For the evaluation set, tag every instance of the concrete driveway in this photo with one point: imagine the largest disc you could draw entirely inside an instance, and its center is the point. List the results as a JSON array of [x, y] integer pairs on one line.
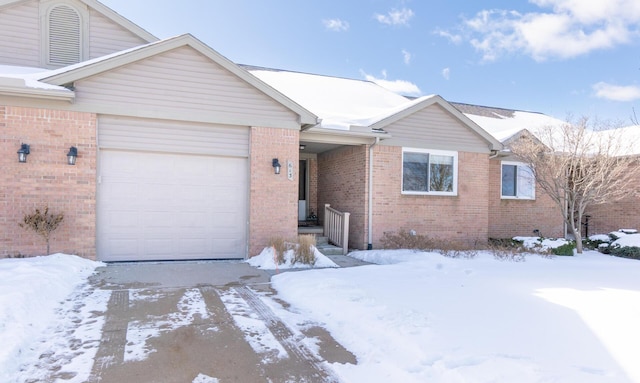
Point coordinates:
[[204, 322]]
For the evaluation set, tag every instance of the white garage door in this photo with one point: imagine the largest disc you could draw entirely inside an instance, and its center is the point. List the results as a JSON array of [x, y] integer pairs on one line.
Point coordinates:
[[170, 206]]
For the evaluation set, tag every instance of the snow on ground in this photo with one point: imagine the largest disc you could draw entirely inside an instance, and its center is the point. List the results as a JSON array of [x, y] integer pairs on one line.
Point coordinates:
[[32, 292], [267, 260], [423, 317]]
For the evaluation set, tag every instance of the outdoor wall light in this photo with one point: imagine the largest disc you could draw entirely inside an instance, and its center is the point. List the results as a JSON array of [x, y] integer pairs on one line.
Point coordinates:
[[23, 152], [72, 155], [303, 146], [276, 165]]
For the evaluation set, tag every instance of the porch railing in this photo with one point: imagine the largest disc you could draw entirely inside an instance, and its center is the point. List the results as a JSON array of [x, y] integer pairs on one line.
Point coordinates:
[[336, 227]]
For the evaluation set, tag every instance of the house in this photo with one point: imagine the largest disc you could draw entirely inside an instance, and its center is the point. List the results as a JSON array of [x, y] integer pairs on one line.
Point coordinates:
[[183, 154], [174, 142]]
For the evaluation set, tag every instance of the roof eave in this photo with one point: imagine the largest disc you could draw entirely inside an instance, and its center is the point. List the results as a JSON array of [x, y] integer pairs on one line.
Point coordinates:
[[48, 94]]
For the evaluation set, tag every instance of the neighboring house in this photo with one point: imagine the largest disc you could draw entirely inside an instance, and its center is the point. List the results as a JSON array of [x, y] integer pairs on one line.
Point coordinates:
[[625, 213], [175, 142], [516, 207]]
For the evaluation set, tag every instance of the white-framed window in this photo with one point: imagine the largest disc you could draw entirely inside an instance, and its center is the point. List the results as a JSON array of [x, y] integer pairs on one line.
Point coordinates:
[[64, 33], [432, 172], [518, 181]]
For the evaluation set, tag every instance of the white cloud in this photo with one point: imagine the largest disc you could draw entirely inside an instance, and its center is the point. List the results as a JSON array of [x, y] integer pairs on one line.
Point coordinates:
[[446, 73], [454, 38], [407, 56], [336, 25], [401, 87], [395, 17], [568, 28], [617, 92]]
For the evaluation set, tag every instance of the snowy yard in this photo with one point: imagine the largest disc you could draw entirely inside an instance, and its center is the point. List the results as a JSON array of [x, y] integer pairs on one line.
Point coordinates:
[[410, 317]]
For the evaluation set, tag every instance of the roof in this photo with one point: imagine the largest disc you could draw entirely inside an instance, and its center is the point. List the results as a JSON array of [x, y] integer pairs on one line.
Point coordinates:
[[504, 123], [340, 102], [107, 12], [351, 105], [60, 77], [24, 82]]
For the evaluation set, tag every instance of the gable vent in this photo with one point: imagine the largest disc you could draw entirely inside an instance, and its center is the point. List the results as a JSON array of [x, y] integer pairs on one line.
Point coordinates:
[[64, 36]]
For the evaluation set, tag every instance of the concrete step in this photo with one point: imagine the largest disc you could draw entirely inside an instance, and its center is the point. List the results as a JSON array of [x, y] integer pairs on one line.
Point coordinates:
[[320, 240], [328, 249]]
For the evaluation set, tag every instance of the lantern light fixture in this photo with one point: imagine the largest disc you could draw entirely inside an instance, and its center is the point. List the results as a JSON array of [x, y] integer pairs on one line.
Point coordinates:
[[276, 165], [72, 155], [23, 152]]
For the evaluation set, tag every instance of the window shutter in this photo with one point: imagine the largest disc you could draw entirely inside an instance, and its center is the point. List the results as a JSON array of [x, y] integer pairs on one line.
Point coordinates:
[[64, 36]]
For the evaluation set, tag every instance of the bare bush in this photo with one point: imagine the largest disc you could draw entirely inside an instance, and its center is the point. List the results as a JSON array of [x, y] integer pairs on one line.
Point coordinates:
[[507, 250], [454, 249], [407, 240], [42, 223]]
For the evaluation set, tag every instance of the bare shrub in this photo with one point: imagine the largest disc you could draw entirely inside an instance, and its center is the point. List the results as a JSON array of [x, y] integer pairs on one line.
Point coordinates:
[[455, 249], [507, 250], [42, 223], [407, 240], [304, 251]]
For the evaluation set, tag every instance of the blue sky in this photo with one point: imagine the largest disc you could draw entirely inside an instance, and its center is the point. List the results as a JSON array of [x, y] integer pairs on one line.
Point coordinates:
[[559, 57]]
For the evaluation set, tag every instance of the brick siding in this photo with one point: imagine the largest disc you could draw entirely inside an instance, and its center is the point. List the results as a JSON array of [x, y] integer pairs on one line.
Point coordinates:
[[46, 179], [511, 217], [461, 218], [273, 206], [342, 183]]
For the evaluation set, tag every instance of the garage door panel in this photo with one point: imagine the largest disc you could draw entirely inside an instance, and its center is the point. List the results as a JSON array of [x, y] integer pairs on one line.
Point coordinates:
[[164, 206]]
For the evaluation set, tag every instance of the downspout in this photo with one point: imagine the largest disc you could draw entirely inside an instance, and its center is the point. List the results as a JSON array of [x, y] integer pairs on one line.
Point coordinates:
[[370, 230]]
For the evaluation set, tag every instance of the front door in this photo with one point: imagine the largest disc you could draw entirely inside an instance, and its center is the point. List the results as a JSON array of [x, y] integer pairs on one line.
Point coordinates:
[[302, 191]]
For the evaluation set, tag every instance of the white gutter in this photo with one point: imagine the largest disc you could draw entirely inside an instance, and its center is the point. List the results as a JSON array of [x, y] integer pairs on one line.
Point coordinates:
[[370, 230]]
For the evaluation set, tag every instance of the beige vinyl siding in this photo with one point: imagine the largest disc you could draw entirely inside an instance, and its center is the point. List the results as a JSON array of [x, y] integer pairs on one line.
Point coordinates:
[[180, 84], [434, 128], [116, 132], [20, 35], [107, 37]]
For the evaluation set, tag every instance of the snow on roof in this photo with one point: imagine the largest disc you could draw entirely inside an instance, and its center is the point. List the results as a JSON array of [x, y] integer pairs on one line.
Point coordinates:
[[504, 123], [26, 78], [339, 102]]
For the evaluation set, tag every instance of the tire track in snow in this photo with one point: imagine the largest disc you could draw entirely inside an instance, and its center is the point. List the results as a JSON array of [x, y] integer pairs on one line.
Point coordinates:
[[298, 353]]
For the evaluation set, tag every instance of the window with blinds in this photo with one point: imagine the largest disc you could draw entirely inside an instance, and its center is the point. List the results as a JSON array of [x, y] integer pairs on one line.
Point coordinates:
[[65, 36]]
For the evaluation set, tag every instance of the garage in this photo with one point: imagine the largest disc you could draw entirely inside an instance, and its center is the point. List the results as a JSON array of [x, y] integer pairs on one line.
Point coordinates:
[[171, 190]]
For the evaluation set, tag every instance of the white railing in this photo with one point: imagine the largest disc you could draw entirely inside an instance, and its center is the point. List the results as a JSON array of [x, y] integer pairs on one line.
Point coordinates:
[[336, 227]]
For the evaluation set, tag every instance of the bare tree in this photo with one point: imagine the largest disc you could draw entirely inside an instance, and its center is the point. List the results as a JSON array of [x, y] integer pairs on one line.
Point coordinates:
[[578, 166]]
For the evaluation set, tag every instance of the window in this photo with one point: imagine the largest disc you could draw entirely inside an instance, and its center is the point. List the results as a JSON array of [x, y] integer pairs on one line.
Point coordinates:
[[517, 181], [429, 172]]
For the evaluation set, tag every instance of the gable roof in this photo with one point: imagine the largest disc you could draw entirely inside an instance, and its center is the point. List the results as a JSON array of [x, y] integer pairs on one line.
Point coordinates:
[[355, 105], [426, 101], [72, 73], [104, 10]]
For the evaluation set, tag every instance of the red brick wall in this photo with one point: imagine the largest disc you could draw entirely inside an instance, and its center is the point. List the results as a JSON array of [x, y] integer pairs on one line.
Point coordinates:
[[615, 215], [509, 217], [273, 205], [342, 183], [46, 179], [462, 218]]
